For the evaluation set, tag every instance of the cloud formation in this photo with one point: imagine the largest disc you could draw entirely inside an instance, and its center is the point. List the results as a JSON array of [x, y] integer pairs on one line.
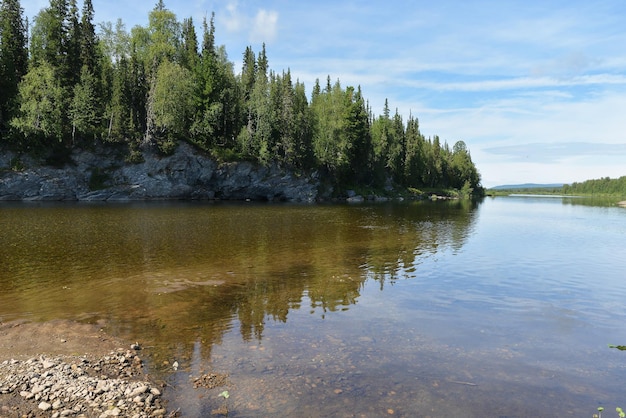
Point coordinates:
[[265, 26], [260, 28], [233, 21], [551, 153]]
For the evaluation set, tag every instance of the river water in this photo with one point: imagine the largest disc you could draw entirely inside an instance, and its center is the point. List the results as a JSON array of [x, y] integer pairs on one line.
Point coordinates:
[[503, 308]]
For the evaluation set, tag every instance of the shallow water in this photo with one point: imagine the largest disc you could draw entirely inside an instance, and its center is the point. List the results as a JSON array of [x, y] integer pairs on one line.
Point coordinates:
[[502, 308]]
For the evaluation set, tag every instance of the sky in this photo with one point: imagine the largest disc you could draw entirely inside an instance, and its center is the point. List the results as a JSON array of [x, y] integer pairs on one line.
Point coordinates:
[[536, 89]]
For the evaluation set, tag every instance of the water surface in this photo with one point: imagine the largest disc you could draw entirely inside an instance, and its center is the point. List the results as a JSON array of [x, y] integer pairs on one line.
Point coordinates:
[[499, 308]]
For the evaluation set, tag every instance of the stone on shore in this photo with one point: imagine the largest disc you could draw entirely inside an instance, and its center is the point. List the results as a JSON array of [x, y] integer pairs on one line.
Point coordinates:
[[66, 386]]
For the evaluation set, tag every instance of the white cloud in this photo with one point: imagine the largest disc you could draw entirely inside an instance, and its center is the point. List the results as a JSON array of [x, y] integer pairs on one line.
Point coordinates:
[[265, 26], [537, 138], [518, 83], [261, 28], [234, 20]]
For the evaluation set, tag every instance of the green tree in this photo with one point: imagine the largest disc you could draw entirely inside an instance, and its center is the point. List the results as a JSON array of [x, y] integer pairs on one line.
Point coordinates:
[[415, 157], [356, 137], [327, 110], [216, 120], [138, 89], [126, 112], [317, 90], [170, 106], [303, 129], [119, 110], [51, 43], [256, 139], [164, 33], [341, 134], [114, 41], [397, 148], [85, 110], [291, 123], [248, 73], [50, 38], [433, 174], [13, 59], [462, 168], [230, 100], [70, 74], [380, 133], [42, 106], [89, 52], [189, 52]]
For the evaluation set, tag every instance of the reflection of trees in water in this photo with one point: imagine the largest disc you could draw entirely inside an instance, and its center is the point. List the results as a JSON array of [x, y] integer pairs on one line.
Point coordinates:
[[316, 256], [177, 275], [406, 234], [599, 201]]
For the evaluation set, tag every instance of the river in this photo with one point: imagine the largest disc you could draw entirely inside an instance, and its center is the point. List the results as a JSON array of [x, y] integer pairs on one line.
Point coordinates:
[[500, 308]]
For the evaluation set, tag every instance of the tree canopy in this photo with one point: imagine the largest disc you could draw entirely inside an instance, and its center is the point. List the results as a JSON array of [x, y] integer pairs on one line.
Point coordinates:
[[157, 85], [602, 186]]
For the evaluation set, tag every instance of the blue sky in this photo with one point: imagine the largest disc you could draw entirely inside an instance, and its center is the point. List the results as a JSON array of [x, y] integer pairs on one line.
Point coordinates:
[[536, 89]]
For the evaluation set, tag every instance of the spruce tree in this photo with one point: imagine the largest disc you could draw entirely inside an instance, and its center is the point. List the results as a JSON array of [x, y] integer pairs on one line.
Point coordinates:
[[303, 128], [208, 40], [357, 133], [415, 158], [120, 105], [13, 60], [73, 46], [248, 73], [85, 110], [397, 148], [51, 43], [88, 40], [189, 51]]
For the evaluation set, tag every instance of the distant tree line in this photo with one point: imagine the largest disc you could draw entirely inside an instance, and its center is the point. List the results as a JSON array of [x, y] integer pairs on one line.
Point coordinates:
[[603, 185], [65, 85]]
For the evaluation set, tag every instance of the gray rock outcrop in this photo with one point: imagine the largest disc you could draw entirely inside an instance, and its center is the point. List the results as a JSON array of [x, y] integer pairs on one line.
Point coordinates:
[[187, 174]]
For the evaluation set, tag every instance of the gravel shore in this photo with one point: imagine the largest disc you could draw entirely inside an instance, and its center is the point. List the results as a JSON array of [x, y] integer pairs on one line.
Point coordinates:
[[78, 386]]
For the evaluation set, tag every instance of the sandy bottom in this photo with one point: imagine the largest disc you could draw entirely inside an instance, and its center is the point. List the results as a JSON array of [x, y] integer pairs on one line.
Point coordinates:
[[21, 340]]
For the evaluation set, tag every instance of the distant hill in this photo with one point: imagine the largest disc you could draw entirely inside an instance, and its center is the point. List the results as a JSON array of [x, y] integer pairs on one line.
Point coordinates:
[[528, 186]]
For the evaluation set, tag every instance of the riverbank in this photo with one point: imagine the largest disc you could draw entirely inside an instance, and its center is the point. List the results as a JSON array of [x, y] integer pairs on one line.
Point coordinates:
[[103, 174], [69, 369]]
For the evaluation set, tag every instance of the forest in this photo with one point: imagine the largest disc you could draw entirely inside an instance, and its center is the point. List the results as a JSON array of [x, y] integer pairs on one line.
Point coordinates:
[[66, 83], [601, 186]]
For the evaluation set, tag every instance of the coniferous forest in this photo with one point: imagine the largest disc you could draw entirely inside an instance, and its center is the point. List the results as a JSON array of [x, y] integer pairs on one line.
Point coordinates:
[[66, 83]]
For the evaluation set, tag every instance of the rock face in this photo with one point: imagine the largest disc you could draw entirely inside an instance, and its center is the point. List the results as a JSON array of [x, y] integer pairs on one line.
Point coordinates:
[[100, 176]]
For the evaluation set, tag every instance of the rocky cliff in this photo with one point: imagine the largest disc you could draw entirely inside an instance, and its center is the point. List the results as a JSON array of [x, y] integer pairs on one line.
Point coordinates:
[[187, 174]]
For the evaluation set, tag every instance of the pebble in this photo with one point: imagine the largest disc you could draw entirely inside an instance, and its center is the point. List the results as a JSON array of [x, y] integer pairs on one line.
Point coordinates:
[[78, 387], [44, 406]]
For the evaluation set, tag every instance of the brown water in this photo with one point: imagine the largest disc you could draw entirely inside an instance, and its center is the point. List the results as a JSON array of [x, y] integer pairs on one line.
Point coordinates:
[[503, 308]]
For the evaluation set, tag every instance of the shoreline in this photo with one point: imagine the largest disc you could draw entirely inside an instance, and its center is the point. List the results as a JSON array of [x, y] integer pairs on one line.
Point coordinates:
[[63, 368]]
